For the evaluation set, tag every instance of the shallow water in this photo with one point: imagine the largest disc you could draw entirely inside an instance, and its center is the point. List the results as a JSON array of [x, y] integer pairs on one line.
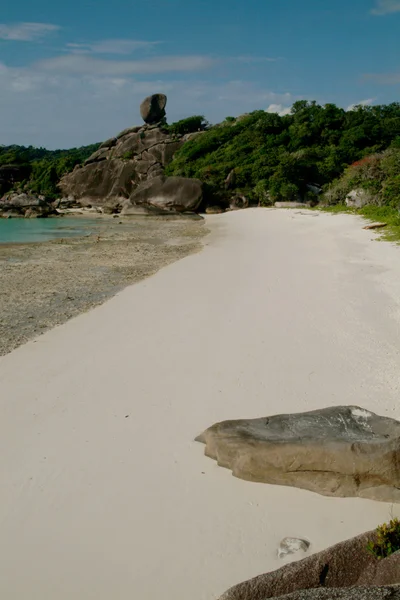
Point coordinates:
[[42, 230]]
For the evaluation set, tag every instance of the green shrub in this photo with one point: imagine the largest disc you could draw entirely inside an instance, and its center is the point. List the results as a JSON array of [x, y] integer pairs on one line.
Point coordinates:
[[189, 125], [261, 193], [387, 540]]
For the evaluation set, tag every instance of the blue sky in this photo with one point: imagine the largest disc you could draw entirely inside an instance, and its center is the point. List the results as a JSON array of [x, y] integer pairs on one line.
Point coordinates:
[[73, 73]]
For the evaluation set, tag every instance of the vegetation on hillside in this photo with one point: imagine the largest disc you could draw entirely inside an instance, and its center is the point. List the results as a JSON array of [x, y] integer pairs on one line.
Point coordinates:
[[278, 157], [43, 169], [273, 157], [378, 175]]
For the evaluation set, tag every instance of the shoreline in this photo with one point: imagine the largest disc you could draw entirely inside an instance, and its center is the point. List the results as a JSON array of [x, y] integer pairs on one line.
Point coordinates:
[[44, 284], [106, 494]]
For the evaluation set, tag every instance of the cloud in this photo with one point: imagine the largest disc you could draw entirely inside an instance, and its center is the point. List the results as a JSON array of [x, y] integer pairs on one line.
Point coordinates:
[[97, 106], [280, 109], [116, 46], [383, 78], [385, 7], [366, 102], [87, 65], [256, 59], [26, 32]]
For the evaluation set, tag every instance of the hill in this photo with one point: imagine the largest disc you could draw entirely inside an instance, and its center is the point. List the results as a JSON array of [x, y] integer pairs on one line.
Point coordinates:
[[289, 157], [262, 156]]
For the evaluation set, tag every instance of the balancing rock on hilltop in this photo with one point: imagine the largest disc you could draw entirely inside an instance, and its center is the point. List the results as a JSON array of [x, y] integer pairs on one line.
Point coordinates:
[[152, 108], [127, 172]]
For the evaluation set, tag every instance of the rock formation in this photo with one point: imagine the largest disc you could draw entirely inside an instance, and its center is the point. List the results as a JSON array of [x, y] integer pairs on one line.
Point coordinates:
[[25, 205], [343, 571], [177, 194], [359, 198], [339, 451], [152, 108], [131, 167]]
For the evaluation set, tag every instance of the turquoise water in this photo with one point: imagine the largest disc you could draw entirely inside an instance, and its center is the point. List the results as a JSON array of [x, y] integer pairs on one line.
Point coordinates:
[[42, 230]]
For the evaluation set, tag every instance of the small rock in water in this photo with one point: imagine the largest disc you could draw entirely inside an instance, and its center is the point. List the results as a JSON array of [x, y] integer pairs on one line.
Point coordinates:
[[291, 546]]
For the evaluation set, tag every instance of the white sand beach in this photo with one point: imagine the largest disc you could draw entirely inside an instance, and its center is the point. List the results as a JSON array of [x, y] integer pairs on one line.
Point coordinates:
[[104, 493]]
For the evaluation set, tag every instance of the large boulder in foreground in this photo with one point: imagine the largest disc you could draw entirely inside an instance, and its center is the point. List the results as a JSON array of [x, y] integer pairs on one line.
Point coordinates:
[[152, 108], [325, 575], [339, 451], [171, 194]]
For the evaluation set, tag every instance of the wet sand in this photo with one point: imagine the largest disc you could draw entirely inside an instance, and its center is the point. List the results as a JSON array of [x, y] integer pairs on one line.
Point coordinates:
[[43, 285]]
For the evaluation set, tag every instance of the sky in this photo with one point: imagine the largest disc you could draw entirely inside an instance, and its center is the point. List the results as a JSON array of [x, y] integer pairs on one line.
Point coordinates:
[[74, 72]]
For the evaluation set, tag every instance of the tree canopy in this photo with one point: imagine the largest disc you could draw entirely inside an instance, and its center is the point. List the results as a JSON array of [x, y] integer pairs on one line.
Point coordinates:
[[44, 168], [277, 157]]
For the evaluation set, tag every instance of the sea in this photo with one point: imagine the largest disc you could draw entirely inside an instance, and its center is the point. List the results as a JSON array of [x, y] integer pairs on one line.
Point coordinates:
[[21, 231]]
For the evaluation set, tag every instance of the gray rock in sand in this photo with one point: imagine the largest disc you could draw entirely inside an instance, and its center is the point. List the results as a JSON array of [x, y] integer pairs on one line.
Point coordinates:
[[291, 546], [340, 451]]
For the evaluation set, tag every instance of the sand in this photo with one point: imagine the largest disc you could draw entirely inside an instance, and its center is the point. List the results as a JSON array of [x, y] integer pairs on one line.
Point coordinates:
[[105, 494], [43, 285]]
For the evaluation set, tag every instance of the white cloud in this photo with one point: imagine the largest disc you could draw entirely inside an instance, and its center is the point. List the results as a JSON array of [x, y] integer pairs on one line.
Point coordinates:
[[26, 32], [366, 102], [256, 59], [62, 110], [280, 109], [117, 46], [88, 65], [385, 7]]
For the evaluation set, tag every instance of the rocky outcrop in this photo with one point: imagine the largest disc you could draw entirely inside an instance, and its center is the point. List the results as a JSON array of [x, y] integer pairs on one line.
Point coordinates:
[[358, 198], [127, 172], [124, 163], [25, 205], [230, 181], [105, 183], [339, 451], [171, 194], [152, 108], [346, 565]]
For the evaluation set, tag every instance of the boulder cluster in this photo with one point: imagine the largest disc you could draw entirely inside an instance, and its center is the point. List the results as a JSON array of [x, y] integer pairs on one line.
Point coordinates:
[[127, 173], [25, 205]]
